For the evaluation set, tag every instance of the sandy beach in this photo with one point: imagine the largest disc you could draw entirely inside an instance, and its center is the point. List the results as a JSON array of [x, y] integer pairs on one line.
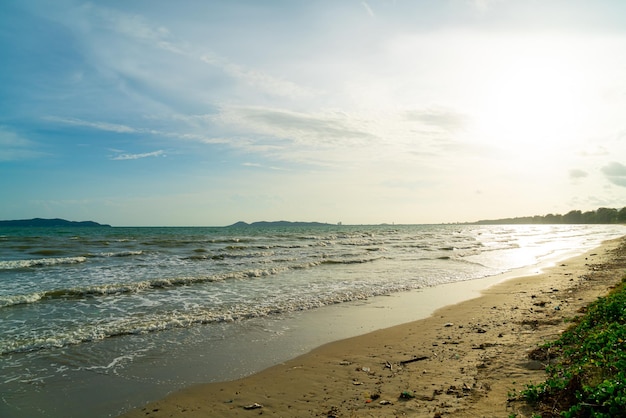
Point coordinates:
[[464, 360]]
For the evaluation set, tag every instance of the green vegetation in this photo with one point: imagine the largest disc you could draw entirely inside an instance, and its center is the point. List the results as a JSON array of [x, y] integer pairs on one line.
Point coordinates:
[[600, 216], [588, 378]]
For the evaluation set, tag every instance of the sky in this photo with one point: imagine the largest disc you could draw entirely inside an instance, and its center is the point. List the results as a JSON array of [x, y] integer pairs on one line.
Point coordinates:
[[204, 113]]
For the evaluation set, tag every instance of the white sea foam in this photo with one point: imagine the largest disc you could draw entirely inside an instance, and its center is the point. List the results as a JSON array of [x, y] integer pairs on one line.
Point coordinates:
[[119, 254], [19, 299], [40, 262]]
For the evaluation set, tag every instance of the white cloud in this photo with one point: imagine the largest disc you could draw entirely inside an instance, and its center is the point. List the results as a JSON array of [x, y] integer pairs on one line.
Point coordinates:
[[262, 166], [103, 126], [15, 147], [257, 79], [158, 153], [443, 119], [576, 174], [594, 150], [331, 137], [130, 25], [368, 9], [11, 139], [316, 129], [484, 5], [138, 28], [616, 173]]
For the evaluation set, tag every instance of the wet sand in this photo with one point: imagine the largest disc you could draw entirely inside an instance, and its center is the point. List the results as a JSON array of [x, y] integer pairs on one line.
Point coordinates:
[[464, 360]]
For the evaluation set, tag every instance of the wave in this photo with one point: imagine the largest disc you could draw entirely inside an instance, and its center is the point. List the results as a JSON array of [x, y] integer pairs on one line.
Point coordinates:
[[203, 256], [56, 261], [115, 289], [144, 324], [117, 254], [161, 321], [178, 242], [47, 252], [351, 260], [40, 262], [99, 291], [128, 288]]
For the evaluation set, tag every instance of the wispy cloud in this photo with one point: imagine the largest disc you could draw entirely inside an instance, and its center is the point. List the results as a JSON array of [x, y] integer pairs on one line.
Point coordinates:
[[615, 173], [134, 26], [368, 9], [257, 79], [103, 126], [444, 119], [577, 174], [159, 153], [139, 29], [314, 129], [331, 137], [193, 128], [594, 150], [483, 5], [14, 147], [262, 166]]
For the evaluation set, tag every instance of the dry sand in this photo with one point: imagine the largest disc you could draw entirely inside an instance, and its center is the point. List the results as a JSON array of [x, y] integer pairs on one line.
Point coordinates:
[[463, 361]]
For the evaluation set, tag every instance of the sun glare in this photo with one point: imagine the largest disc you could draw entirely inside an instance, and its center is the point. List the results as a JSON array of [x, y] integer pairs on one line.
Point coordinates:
[[532, 97]]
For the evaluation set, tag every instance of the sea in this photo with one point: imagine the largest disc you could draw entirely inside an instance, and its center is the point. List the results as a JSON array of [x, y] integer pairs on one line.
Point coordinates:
[[95, 321]]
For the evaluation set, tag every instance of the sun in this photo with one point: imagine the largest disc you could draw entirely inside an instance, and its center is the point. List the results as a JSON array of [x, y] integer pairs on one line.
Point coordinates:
[[531, 96]]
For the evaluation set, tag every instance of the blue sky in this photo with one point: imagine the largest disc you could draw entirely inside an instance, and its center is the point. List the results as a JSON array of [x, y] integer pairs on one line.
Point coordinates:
[[209, 112]]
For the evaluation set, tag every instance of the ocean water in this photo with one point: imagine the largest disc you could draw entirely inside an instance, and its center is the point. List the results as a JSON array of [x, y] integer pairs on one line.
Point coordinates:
[[94, 321]]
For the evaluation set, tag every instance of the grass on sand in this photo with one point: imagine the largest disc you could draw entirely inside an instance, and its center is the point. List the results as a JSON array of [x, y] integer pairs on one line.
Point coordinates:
[[587, 371]]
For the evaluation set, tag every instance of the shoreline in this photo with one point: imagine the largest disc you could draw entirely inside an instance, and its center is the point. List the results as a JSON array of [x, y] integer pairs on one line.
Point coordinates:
[[463, 359]]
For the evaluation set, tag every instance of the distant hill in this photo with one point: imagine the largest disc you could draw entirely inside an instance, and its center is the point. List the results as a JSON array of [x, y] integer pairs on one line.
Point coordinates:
[[50, 223], [599, 216], [262, 224]]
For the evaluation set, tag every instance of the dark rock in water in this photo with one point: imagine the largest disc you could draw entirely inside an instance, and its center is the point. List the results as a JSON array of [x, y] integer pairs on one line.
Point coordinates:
[[50, 223]]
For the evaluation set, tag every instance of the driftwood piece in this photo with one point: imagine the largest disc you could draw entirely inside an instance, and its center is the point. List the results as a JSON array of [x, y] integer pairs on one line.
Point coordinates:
[[403, 362]]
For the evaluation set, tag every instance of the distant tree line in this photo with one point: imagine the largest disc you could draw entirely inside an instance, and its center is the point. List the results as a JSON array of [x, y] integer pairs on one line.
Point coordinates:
[[599, 216]]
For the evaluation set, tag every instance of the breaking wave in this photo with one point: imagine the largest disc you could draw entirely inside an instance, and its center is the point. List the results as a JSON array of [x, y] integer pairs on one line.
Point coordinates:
[[40, 262], [141, 324], [162, 283]]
